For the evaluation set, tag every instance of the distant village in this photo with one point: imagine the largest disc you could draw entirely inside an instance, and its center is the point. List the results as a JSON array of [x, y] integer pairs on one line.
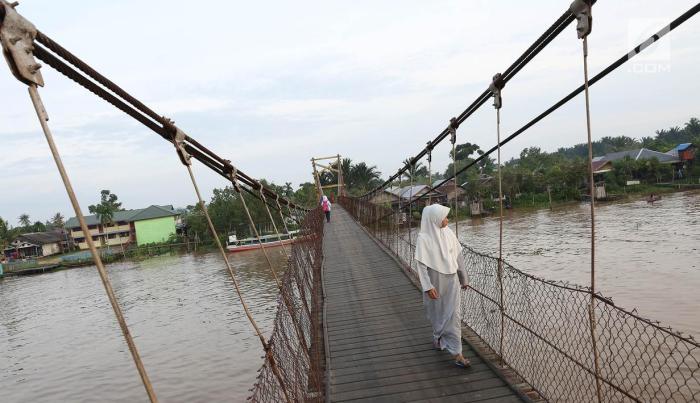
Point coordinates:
[[138, 227]]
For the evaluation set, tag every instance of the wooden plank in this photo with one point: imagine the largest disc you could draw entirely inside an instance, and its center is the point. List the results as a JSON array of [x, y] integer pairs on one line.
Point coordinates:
[[379, 340]]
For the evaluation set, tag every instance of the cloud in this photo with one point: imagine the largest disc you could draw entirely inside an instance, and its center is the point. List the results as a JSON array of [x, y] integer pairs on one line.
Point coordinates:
[[269, 85]]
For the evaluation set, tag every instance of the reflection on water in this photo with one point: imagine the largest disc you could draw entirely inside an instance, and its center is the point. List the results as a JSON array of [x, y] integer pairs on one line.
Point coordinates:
[[59, 339], [647, 256]]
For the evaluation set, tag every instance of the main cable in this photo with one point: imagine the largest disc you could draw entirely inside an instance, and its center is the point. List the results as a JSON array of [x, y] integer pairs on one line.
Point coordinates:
[[612, 67], [542, 41]]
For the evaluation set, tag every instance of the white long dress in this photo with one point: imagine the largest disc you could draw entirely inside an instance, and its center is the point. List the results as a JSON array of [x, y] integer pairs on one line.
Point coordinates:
[[441, 266], [444, 312]]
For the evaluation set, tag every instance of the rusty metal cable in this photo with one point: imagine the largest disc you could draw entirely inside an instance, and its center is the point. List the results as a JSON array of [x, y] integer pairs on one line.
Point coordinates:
[[582, 10], [184, 157], [540, 43], [128, 104], [602, 74], [104, 277], [283, 295]]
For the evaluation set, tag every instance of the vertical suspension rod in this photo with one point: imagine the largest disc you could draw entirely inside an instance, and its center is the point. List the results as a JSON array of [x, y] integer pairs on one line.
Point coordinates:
[[43, 119]]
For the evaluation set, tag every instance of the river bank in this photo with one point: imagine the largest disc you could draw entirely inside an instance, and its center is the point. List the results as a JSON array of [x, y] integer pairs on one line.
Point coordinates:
[[647, 254]]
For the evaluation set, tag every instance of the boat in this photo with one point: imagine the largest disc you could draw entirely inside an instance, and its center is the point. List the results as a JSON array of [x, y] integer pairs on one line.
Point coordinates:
[[269, 241]]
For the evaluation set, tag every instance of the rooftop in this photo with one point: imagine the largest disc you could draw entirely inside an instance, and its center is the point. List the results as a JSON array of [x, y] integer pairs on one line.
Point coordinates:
[[128, 215]]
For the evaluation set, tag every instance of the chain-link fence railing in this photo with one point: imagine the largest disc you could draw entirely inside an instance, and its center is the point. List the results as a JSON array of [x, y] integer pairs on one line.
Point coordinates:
[[299, 360], [542, 329]]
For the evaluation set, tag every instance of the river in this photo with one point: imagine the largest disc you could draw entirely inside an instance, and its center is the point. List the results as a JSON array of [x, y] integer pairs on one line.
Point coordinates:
[[647, 255], [59, 339]]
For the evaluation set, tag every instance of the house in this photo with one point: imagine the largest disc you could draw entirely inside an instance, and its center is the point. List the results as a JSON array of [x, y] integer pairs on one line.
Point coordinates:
[[38, 244], [448, 190], [153, 224], [604, 163], [387, 196], [684, 152]]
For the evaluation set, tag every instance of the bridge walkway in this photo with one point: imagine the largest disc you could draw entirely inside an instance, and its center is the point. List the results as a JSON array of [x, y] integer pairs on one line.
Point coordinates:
[[379, 341]]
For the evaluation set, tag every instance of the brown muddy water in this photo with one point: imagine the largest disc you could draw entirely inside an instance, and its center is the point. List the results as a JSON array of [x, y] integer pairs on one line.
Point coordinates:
[[647, 255], [60, 342]]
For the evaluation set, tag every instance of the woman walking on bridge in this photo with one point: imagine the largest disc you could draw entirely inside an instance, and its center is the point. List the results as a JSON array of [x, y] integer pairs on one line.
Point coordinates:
[[441, 269], [326, 205]]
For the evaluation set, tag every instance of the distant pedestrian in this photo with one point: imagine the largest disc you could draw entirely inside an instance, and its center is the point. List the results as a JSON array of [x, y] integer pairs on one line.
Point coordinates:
[[442, 269], [326, 205]]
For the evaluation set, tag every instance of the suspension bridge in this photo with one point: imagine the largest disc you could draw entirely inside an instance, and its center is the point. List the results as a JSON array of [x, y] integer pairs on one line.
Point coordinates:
[[349, 324]]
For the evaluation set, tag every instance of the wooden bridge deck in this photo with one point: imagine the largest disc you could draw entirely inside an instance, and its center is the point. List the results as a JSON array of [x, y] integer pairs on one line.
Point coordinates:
[[379, 341]]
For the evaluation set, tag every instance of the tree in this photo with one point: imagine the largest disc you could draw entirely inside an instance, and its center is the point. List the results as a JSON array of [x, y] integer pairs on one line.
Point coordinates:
[[24, 220], [4, 233], [57, 220], [106, 208]]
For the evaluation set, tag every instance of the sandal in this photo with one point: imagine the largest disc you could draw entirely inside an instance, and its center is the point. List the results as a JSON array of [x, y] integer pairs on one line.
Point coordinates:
[[463, 363]]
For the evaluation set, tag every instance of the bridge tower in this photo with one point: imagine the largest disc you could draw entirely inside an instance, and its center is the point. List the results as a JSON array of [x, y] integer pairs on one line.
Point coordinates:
[[336, 167]]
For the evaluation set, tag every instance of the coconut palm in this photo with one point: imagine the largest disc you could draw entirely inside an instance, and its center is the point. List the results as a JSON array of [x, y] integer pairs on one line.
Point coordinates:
[[57, 220], [24, 220]]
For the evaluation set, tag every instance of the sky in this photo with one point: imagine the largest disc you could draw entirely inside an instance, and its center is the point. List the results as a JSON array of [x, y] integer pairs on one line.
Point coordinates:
[[269, 85]]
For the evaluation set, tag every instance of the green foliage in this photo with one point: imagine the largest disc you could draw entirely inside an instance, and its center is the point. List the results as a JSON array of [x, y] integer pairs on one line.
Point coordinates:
[[107, 207], [358, 178], [24, 220]]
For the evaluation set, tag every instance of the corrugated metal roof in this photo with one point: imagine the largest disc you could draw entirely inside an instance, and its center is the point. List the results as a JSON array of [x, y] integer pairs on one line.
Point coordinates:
[[638, 154], [127, 215], [43, 238]]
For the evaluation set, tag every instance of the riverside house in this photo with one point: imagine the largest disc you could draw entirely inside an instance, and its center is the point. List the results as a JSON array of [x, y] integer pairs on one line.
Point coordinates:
[[152, 224], [38, 244]]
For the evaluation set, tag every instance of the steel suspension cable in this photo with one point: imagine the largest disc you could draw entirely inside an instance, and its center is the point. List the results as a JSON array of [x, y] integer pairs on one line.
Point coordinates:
[[272, 220], [453, 139], [605, 72], [410, 218], [128, 104], [583, 12], [178, 141], [283, 295], [430, 172], [496, 86], [104, 277], [540, 43]]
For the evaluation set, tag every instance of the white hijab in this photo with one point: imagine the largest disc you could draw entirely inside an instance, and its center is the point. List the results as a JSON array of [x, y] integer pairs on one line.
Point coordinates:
[[436, 247]]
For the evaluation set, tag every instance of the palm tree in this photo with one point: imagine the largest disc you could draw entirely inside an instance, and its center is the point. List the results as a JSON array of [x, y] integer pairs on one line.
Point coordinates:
[[363, 176], [418, 170], [57, 220], [105, 209], [24, 220]]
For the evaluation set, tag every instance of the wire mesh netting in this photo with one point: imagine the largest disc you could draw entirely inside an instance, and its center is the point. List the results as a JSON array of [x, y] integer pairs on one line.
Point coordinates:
[[296, 349], [542, 329]]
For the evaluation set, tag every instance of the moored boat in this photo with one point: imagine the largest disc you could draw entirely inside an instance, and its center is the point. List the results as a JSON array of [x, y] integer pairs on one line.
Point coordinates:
[[269, 241]]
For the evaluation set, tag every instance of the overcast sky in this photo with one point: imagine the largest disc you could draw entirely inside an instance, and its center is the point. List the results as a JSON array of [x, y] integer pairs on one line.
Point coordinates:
[[271, 84]]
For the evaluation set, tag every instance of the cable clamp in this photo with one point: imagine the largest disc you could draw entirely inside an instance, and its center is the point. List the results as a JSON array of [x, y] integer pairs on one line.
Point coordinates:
[[17, 38], [452, 129], [581, 9], [231, 172], [178, 137], [430, 151], [495, 87]]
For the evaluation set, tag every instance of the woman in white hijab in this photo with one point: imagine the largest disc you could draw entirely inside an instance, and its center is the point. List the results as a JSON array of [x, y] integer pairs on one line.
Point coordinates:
[[441, 269]]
